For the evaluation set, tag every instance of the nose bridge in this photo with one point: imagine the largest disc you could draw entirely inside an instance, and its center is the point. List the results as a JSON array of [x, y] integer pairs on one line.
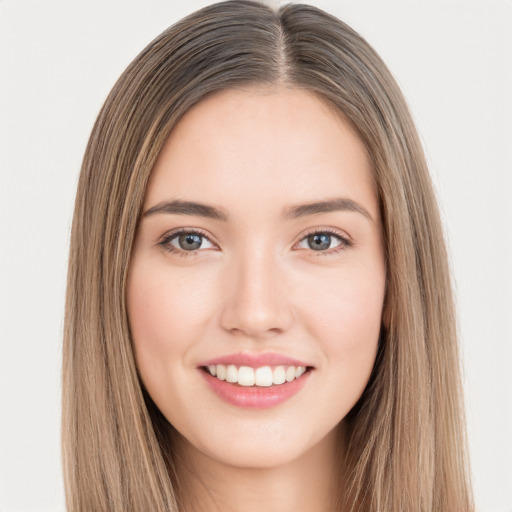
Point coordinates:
[[256, 303]]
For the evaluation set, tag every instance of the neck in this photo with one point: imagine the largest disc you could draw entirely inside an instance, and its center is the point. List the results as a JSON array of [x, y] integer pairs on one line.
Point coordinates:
[[310, 483]]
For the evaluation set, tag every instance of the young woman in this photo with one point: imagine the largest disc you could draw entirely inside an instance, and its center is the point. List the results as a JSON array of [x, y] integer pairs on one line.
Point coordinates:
[[259, 313]]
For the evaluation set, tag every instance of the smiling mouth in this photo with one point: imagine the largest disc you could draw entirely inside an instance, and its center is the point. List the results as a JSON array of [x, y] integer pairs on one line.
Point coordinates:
[[263, 376]]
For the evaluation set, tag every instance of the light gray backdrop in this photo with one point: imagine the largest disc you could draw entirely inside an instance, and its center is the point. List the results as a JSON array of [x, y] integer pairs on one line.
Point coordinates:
[[59, 59]]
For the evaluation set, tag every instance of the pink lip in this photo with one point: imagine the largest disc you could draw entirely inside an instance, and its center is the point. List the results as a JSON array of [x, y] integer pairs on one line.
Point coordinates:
[[255, 397], [255, 360]]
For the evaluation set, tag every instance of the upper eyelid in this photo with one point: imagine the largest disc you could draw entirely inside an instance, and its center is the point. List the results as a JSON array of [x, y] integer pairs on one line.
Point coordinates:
[[331, 231], [195, 231]]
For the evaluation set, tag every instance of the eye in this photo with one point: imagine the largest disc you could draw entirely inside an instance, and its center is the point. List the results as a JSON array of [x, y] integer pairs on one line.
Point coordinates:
[[324, 242], [185, 242]]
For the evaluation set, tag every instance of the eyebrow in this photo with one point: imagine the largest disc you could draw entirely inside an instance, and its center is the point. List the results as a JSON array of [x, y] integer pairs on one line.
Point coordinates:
[[181, 207], [331, 205], [188, 208]]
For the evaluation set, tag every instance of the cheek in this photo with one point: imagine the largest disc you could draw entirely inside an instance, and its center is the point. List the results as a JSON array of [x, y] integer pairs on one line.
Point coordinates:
[[163, 303], [167, 312], [347, 318]]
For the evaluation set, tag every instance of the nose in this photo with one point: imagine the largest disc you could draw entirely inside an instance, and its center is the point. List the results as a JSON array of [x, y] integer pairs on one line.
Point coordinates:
[[256, 301]]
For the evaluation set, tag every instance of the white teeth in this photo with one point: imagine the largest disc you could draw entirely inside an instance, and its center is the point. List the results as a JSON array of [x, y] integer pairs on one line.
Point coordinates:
[[299, 371], [221, 372], [232, 373], [246, 376], [263, 376], [279, 375]]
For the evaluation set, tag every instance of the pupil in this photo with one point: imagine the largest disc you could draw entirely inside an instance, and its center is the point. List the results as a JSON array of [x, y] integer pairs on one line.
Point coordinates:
[[318, 242], [190, 242]]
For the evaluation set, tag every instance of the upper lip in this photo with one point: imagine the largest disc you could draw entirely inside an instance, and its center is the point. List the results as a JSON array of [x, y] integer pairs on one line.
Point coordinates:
[[255, 360]]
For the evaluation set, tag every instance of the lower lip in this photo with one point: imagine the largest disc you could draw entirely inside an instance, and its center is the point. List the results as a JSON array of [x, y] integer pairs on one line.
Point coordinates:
[[255, 397]]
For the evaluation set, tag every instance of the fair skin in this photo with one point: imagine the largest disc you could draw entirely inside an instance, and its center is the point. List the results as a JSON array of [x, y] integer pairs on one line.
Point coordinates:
[[255, 282]]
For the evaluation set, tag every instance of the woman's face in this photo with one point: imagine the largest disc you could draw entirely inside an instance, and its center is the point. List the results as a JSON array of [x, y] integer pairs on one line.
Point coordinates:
[[259, 256]]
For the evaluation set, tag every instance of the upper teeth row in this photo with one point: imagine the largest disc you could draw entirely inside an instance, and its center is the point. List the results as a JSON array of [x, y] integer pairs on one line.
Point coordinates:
[[263, 376]]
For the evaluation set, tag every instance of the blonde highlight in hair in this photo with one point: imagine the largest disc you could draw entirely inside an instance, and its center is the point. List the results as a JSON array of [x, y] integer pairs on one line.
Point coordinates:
[[407, 444]]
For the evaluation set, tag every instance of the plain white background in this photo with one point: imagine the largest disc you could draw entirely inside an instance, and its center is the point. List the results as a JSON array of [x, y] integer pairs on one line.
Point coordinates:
[[453, 60]]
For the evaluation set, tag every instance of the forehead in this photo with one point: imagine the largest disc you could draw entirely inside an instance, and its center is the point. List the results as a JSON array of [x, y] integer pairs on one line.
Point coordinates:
[[241, 147]]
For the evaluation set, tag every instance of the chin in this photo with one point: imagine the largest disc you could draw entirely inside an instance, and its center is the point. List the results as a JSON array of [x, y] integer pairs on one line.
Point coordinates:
[[257, 455], [264, 445]]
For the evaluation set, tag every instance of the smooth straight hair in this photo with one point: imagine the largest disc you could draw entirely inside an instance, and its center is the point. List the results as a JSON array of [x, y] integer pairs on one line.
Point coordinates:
[[407, 446]]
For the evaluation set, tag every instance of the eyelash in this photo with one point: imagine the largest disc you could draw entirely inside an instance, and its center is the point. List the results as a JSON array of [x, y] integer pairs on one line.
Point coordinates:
[[165, 242], [345, 242]]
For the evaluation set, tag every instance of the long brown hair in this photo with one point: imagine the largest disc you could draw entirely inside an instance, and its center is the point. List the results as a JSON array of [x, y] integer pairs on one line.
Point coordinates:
[[407, 448]]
